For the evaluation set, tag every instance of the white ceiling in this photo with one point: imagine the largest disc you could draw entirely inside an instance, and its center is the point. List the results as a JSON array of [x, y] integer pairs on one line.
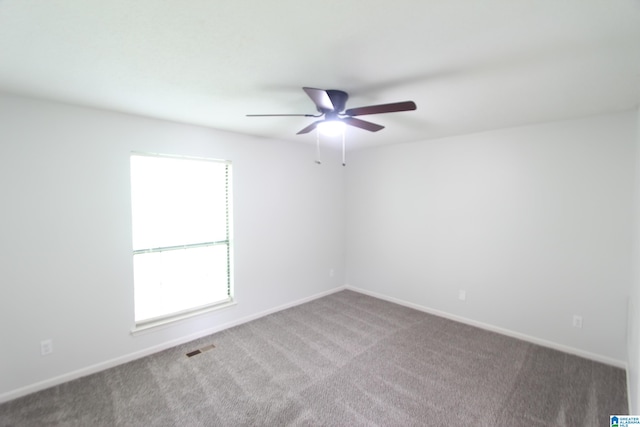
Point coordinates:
[[469, 65]]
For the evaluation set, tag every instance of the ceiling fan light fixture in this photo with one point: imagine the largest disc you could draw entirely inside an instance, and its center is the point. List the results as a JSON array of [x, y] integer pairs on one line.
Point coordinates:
[[331, 127]]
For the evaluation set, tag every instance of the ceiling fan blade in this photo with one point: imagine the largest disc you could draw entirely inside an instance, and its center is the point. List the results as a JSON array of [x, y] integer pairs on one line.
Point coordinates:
[[283, 115], [372, 127], [309, 128], [320, 97], [382, 108]]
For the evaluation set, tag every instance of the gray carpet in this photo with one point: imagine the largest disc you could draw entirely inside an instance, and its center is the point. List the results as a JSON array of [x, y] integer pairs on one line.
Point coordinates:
[[345, 359]]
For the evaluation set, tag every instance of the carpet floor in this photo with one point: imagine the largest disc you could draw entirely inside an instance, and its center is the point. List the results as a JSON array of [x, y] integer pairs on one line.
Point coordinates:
[[343, 360]]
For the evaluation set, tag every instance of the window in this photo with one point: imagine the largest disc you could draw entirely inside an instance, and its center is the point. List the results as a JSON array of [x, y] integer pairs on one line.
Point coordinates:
[[181, 236]]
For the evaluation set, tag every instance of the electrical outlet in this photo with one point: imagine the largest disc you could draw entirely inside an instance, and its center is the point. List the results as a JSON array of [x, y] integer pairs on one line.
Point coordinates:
[[577, 321], [46, 347], [462, 295], [332, 272]]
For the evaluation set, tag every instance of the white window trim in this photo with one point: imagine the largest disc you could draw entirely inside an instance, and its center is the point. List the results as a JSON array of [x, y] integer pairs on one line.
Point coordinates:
[[164, 321]]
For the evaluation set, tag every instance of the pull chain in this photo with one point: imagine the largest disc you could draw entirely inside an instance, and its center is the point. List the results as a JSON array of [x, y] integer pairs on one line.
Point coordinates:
[[318, 148], [344, 155], [344, 162]]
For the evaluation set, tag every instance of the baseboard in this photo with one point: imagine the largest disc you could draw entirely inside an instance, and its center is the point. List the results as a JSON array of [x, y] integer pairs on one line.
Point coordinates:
[[52, 382], [499, 330], [630, 406], [23, 391]]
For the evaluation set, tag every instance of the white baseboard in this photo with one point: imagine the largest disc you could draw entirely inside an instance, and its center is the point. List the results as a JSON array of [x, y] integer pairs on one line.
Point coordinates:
[[492, 328], [630, 405], [51, 382]]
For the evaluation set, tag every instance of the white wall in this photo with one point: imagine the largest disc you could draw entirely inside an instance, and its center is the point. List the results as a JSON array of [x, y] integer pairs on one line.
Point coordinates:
[[65, 234], [534, 223], [633, 328]]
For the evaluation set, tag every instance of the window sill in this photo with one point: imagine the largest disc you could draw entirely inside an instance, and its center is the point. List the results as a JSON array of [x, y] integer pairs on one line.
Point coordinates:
[[147, 326]]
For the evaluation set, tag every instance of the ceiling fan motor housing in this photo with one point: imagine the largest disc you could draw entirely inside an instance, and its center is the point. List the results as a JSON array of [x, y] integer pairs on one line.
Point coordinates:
[[338, 99]]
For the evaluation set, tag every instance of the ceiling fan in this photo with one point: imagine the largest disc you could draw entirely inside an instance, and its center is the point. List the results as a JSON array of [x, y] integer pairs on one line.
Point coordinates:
[[331, 103]]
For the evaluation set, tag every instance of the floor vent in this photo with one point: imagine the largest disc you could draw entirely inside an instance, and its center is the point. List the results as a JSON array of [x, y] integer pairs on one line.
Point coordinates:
[[201, 350]]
